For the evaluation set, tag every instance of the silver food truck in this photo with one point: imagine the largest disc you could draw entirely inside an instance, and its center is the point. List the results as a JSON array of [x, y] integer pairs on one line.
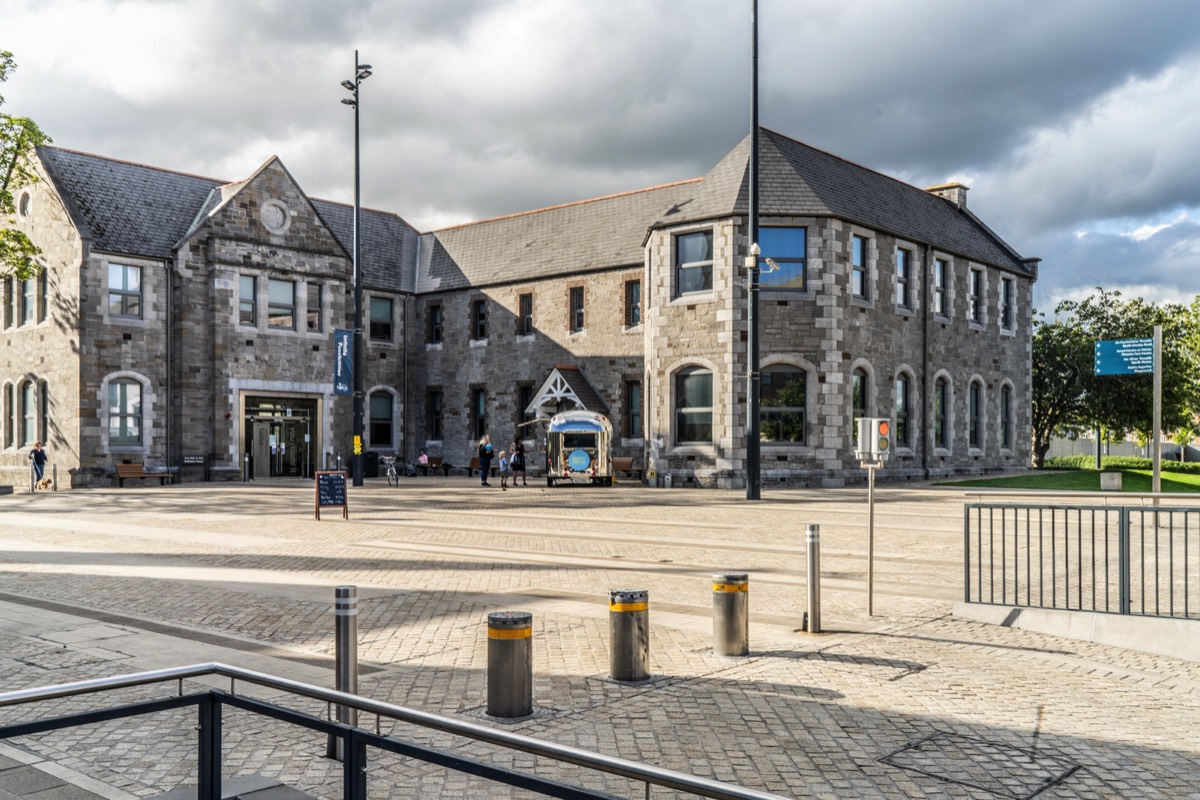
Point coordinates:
[[579, 448]]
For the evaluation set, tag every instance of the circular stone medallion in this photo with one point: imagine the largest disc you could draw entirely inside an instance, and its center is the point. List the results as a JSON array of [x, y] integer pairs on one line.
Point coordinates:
[[275, 216]]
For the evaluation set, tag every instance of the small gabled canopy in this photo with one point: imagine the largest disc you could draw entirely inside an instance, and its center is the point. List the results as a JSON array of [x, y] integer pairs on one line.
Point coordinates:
[[567, 385]]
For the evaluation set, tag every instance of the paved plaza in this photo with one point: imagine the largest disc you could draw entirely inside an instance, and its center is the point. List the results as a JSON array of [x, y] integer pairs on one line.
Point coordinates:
[[910, 702]]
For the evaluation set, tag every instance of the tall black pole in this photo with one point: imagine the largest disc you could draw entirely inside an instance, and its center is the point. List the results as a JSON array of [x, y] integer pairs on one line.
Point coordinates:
[[753, 462], [356, 473]]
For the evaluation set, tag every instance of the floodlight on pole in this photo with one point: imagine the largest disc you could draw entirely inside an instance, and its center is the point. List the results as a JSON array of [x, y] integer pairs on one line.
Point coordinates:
[[361, 73]]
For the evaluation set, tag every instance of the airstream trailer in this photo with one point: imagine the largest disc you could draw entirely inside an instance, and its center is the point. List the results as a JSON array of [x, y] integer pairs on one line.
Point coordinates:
[[579, 448]]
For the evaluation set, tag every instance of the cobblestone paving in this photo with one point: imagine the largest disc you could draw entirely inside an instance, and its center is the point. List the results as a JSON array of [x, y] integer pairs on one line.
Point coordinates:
[[912, 702]]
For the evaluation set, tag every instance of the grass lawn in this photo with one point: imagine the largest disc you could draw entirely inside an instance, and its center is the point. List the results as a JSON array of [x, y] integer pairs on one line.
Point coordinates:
[[1086, 480]]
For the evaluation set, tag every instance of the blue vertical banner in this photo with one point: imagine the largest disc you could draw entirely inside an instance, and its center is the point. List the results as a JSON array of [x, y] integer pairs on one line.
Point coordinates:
[[343, 361]]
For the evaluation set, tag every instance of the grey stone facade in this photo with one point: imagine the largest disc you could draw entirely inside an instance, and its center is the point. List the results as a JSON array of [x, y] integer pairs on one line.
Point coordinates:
[[227, 339]]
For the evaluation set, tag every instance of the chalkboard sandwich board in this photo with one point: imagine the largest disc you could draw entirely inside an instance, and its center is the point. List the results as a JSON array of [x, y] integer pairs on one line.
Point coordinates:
[[331, 491]]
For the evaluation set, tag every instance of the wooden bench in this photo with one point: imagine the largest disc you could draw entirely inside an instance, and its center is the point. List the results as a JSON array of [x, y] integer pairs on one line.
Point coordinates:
[[473, 467], [139, 471], [624, 464], [435, 463]]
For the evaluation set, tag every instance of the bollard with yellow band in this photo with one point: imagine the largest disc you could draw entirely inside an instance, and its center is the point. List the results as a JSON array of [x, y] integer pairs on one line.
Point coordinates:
[[510, 664], [629, 632], [731, 613]]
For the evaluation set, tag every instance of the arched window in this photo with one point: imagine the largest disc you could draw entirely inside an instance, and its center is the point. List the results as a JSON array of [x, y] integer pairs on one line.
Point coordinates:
[[124, 412], [28, 414], [381, 421], [941, 413], [783, 404], [975, 415], [693, 406], [903, 431], [859, 386], [1006, 417]]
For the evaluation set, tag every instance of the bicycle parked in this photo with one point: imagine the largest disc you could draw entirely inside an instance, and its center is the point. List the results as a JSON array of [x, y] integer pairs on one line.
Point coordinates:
[[393, 477]]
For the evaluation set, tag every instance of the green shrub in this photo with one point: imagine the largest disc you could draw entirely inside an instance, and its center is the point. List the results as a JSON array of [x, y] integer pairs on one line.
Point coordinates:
[[1114, 463]]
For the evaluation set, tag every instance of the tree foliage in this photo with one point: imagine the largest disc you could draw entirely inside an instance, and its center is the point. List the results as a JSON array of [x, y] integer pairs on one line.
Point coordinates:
[[18, 136], [1068, 394]]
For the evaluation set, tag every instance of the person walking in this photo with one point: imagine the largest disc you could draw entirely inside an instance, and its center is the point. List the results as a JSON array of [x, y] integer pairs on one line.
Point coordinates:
[[485, 459], [516, 460], [37, 456]]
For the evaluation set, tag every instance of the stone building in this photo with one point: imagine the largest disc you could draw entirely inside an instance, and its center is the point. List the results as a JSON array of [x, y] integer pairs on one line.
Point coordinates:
[[187, 323]]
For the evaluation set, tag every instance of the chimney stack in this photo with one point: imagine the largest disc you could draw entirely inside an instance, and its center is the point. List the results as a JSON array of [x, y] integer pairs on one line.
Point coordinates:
[[954, 192]]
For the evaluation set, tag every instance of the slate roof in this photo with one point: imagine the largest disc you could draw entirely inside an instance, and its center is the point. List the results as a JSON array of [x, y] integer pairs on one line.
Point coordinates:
[[794, 179], [583, 389], [137, 210]]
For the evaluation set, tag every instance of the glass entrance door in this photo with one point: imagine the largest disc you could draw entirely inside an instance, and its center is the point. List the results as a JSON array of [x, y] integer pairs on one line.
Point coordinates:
[[280, 436]]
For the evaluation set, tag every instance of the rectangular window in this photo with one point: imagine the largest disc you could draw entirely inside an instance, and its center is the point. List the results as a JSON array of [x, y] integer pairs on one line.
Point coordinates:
[[124, 292], [788, 250], [941, 274], [633, 409], [1006, 303], [974, 410], [381, 319], [860, 285], [248, 301], [315, 309], [281, 305], [478, 412], [903, 278], [525, 395], [693, 406], [633, 303], [44, 412], [43, 295], [693, 262], [380, 431], [575, 313], [975, 296], [433, 411], [8, 414], [10, 312], [479, 320], [434, 324], [28, 414], [525, 315], [124, 412], [1006, 418], [784, 405], [903, 436]]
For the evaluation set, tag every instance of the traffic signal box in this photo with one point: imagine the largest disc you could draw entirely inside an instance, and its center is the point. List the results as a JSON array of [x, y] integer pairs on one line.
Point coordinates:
[[874, 439]]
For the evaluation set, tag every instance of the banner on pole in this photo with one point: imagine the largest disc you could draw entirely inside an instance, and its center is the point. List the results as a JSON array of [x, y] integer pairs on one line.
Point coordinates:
[[343, 360]]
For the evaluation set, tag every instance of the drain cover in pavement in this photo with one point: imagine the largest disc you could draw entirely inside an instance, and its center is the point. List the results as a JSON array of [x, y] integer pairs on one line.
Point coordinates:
[[996, 768]]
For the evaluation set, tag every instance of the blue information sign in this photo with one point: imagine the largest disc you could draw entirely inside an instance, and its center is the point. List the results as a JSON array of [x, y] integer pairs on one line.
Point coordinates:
[[1125, 357], [343, 354]]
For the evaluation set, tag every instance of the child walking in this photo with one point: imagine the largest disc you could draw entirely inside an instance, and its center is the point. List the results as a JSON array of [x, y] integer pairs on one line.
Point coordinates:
[[504, 469]]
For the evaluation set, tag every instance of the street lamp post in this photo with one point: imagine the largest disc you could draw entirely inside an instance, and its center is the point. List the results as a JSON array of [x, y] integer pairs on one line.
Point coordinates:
[[753, 462], [361, 73]]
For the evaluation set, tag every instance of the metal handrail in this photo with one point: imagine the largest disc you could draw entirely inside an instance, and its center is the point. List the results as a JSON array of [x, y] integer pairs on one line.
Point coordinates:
[[1099, 496], [617, 766]]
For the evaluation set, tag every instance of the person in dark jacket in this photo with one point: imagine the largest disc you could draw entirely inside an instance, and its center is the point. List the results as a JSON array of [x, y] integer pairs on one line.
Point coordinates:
[[37, 456], [485, 458]]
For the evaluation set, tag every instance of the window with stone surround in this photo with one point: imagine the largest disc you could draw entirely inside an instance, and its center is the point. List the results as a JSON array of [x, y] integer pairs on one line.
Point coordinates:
[[693, 406], [860, 274], [633, 409], [633, 303], [28, 301], [478, 418], [479, 320], [316, 312], [381, 416], [382, 322], [693, 262], [975, 415], [43, 425], [859, 387], [28, 414], [43, 295], [941, 281], [1007, 317], [10, 302], [281, 305], [524, 398], [941, 413], [1006, 417], [525, 314], [975, 296], [433, 414], [434, 324], [248, 300], [788, 248], [9, 395], [903, 278], [903, 432], [783, 406], [124, 291], [575, 310], [124, 412]]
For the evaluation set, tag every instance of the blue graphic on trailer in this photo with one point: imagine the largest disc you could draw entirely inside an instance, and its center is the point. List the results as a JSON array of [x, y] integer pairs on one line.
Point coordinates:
[[1125, 357], [579, 460]]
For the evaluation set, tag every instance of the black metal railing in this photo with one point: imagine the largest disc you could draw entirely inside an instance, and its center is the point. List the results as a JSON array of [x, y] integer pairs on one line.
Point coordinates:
[[355, 741], [1117, 559]]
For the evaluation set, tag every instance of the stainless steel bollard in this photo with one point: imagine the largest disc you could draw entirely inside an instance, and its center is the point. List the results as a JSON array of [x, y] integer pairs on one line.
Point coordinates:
[[812, 538], [629, 634], [510, 664], [345, 636], [731, 614]]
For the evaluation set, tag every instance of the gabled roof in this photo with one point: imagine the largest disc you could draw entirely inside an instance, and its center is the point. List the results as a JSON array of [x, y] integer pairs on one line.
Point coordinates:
[[567, 383], [136, 210]]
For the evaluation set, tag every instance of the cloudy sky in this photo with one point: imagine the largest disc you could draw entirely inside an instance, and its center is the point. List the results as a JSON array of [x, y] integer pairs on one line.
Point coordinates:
[[1076, 123]]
